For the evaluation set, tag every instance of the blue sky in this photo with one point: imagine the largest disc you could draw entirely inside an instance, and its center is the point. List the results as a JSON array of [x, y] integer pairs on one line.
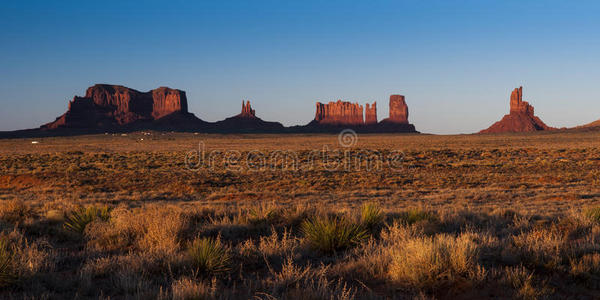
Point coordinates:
[[455, 61]]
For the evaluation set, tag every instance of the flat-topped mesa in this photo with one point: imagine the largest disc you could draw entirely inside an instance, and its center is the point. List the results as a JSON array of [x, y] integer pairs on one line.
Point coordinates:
[[339, 113], [116, 105], [520, 118], [371, 114], [517, 105], [398, 110], [247, 110]]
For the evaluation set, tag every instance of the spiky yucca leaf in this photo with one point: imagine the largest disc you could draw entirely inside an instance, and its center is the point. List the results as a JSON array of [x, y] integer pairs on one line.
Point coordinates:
[[79, 219], [209, 256], [593, 213], [7, 275], [371, 216], [332, 234]]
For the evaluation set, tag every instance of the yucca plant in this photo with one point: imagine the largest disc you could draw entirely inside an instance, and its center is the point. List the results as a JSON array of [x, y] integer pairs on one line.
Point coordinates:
[[7, 275], [371, 216], [209, 257], [332, 234], [263, 215], [416, 215], [593, 213], [79, 219]]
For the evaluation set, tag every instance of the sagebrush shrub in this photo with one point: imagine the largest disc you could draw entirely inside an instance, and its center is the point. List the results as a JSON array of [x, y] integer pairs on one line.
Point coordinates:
[[429, 262]]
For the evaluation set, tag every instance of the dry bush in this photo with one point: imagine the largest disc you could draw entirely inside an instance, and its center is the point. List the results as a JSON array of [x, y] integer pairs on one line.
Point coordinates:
[[276, 244], [432, 262], [190, 289], [523, 281], [305, 282], [586, 267], [14, 211], [150, 229], [541, 247]]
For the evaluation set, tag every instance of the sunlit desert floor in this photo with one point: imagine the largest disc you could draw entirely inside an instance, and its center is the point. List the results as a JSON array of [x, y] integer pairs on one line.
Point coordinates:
[[193, 216]]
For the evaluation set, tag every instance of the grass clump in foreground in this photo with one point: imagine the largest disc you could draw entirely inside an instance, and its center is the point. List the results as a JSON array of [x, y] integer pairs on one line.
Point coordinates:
[[371, 216], [332, 234], [209, 257], [7, 274], [79, 219], [431, 262], [593, 213]]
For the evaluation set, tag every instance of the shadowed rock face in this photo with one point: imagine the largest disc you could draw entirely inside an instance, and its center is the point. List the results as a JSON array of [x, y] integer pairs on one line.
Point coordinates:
[[371, 114], [114, 105], [520, 119], [339, 113]]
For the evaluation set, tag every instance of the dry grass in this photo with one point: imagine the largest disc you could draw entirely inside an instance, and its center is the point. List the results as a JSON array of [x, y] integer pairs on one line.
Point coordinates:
[[468, 217]]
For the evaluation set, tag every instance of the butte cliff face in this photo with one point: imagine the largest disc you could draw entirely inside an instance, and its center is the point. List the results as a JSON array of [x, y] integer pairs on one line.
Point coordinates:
[[333, 116], [520, 119], [114, 106], [339, 113], [398, 110], [371, 114]]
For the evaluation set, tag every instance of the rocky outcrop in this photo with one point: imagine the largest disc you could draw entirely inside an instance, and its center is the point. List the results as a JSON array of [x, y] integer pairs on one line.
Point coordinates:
[[371, 114], [590, 125], [334, 116], [398, 110], [520, 119], [398, 118], [246, 121], [339, 113], [247, 110], [111, 106], [115, 108]]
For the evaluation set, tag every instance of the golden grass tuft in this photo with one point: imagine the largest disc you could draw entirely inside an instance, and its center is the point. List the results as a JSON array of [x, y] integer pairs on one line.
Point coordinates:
[[332, 234]]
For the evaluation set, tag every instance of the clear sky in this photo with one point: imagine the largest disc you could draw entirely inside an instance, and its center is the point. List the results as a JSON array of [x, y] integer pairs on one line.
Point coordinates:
[[455, 61]]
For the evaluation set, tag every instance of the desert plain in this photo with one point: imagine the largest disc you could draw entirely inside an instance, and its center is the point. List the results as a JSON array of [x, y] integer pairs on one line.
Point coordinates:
[[139, 215]]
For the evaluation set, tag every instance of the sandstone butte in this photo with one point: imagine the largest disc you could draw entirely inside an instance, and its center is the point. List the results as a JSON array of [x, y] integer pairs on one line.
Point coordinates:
[[345, 114], [371, 113], [115, 107], [520, 119], [398, 110], [339, 113], [108, 106]]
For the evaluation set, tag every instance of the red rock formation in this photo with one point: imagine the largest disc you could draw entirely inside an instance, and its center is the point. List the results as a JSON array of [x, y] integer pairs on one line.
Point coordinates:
[[114, 105], [339, 113], [398, 110], [520, 119], [247, 110], [371, 114]]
